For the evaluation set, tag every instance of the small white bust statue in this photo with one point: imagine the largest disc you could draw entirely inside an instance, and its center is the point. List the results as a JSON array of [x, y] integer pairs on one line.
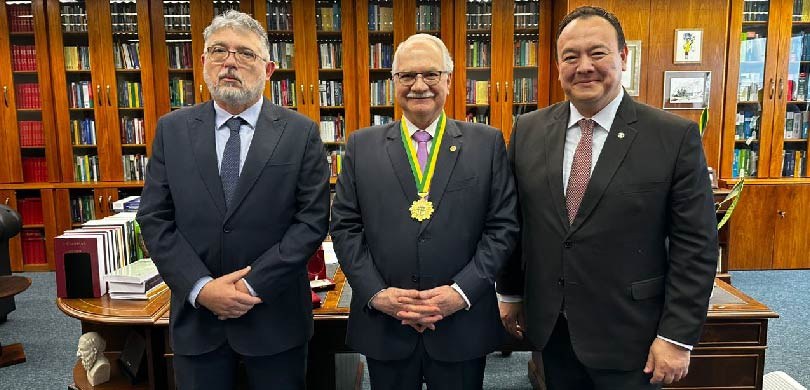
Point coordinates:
[[91, 352]]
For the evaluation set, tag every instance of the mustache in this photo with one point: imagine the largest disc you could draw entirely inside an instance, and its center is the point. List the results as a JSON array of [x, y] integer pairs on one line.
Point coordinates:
[[229, 74], [414, 95]]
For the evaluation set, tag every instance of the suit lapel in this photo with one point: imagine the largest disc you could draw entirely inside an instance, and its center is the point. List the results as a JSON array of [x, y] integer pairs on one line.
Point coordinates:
[[618, 142], [399, 160], [446, 161], [266, 136], [555, 147], [201, 134]]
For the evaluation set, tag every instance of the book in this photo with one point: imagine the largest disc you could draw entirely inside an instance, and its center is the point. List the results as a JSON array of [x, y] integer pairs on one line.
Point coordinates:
[[139, 271], [79, 270], [153, 292]]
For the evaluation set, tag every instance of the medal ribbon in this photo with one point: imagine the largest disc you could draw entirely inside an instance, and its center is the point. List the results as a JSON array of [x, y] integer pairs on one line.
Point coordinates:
[[423, 179]]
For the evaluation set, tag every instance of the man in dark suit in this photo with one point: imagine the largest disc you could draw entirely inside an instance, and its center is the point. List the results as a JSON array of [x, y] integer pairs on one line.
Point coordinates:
[[421, 250], [618, 244], [236, 200]]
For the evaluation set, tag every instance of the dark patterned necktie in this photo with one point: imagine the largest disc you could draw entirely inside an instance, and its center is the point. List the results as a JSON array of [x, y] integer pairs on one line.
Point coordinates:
[[580, 169], [229, 170]]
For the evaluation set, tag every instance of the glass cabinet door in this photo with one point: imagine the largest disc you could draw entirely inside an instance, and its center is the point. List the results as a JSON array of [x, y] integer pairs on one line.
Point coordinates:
[[282, 89], [525, 56], [330, 89], [478, 64], [381, 55], [180, 56], [796, 107]]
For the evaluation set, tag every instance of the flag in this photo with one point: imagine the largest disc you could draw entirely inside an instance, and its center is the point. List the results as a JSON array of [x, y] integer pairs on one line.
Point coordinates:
[[704, 120]]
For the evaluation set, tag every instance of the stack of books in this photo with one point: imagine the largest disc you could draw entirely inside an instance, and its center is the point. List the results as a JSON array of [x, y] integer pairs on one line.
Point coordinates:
[[138, 280]]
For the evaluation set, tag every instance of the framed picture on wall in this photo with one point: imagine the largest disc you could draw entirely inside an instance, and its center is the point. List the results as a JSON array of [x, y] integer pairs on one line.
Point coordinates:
[[631, 76], [687, 90], [688, 46]]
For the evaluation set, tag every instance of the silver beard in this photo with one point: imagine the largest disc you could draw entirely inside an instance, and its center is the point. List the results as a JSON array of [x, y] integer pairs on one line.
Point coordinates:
[[88, 362], [232, 95]]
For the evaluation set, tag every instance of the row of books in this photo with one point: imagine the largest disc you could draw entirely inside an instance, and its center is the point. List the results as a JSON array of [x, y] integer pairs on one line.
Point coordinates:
[[335, 160], [124, 17], [77, 57], [130, 203], [23, 58], [380, 17], [478, 51], [181, 92], [377, 120], [797, 89], [282, 92], [477, 91], [745, 162], [526, 52], [33, 247], [80, 94], [74, 17], [20, 17], [28, 95], [82, 208], [527, 14], [130, 94], [749, 86], [35, 169], [796, 124], [180, 55], [31, 133], [134, 166], [221, 6], [86, 256], [381, 55], [475, 117], [331, 93], [332, 128], [83, 131], [794, 163], [127, 55], [85, 168], [132, 131], [330, 55], [279, 15], [755, 11], [479, 16], [382, 92], [30, 210], [800, 46], [525, 90], [801, 11], [176, 16], [282, 53], [428, 17], [746, 125], [328, 18]]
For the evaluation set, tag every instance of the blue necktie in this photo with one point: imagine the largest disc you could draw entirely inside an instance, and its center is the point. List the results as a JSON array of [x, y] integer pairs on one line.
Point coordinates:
[[229, 170]]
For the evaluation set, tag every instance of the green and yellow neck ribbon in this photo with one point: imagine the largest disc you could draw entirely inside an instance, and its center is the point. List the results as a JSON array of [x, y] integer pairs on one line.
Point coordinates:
[[423, 179]]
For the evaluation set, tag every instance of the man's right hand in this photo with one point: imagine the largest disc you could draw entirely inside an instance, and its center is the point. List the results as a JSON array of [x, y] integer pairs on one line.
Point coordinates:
[[512, 318], [418, 317], [223, 299]]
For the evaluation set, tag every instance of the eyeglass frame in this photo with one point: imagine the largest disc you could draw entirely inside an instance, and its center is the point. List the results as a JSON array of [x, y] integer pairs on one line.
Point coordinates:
[[421, 74], [235, 55]]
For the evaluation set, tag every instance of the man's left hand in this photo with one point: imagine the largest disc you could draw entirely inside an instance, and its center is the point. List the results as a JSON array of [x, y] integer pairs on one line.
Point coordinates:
[[446, 298], [667, 362]]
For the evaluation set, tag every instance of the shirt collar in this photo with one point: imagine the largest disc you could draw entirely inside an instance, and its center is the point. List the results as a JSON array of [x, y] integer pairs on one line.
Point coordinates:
[[604, 118], [431, 129], [250, 115]]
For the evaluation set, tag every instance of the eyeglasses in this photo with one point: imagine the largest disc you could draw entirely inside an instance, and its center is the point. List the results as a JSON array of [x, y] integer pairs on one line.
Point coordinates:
[[409, 78], [219, 54]]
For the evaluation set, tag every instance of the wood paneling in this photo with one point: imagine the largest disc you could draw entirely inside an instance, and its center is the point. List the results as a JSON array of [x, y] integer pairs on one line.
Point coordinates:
[[792, 248], [751, 244]]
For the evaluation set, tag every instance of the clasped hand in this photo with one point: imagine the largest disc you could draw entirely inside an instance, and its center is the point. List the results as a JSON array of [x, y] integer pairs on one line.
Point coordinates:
[[419, 309], [227, 296]]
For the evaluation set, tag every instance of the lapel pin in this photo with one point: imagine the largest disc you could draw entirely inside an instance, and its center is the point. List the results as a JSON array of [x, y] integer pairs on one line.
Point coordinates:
[[620, 135], [453, 148]]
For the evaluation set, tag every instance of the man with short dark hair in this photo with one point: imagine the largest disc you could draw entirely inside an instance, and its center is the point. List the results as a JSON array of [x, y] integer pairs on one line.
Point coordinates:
[[619, 244]]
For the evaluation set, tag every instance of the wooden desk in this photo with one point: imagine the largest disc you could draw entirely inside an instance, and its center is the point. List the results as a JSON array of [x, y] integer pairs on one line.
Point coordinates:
[[731, 353], [11, 285]]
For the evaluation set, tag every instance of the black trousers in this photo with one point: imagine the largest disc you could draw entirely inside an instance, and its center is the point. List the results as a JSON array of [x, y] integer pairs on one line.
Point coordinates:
[[217, 369], [410, 373], [564, 371]]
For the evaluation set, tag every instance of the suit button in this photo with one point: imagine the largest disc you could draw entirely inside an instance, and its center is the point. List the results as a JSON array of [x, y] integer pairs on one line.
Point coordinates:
[[568, 244], [561, 281], [414, 278], [226, 229]]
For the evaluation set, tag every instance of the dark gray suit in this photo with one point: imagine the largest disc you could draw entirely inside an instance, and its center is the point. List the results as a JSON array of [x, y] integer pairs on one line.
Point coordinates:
[[278, 218], [640, 257], [469, 236]]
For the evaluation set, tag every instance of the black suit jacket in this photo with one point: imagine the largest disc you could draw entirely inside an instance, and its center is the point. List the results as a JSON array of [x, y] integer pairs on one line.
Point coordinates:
[[466, 241], [278, 219], [640, 257]]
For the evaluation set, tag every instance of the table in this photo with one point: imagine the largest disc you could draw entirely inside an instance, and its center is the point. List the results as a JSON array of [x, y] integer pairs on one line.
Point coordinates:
[[730, 355], [11, 285]]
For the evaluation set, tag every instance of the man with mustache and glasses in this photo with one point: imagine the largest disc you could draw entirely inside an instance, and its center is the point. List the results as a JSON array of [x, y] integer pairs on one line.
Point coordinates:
[[618, 237], [423, 217], [235, 202]]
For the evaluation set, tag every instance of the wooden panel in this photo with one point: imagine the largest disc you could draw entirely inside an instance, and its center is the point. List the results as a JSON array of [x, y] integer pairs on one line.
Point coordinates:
[[11, 169], [732, 333], [791, 248], [363, 96], [723, 371], [752, 235], [49, 220]]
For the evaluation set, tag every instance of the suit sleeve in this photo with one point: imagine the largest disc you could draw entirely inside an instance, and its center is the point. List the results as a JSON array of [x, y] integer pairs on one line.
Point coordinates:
[[347, 232], [500, 228], [692, 244], [178, 263], [510, 278], [271, 271]]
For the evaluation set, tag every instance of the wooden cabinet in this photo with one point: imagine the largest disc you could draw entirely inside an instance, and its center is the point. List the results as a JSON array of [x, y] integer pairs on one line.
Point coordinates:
[[26, 112], [32, 248]]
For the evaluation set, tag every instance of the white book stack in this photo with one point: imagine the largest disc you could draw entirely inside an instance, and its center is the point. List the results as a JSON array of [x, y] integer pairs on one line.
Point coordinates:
[[138, 280]]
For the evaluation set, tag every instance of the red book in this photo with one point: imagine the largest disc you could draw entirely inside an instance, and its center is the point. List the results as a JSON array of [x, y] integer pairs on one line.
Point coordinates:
[[79, 274]]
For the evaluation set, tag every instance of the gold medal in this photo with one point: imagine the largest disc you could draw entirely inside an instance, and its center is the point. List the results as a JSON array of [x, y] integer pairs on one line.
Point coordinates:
[[421, 209]]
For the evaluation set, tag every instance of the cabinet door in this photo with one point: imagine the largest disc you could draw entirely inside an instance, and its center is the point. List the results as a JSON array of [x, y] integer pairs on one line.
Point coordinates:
[[27, 132], [752, 71], [104, 198], [792, 215], [752, 233], [9, 198], [375, 44], [474, 60]]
